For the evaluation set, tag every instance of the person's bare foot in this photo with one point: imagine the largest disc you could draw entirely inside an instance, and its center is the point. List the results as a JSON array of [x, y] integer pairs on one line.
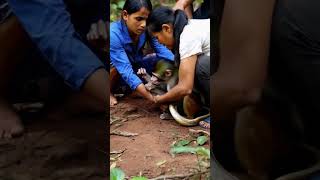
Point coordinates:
[[113, 100], [10, 123]]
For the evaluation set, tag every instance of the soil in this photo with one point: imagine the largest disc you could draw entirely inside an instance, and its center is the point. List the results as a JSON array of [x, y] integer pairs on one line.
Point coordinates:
[[143, 152], [56, 145]]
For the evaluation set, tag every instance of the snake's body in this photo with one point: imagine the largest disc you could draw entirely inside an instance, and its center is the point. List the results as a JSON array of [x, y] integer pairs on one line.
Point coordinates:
[[182, 120]]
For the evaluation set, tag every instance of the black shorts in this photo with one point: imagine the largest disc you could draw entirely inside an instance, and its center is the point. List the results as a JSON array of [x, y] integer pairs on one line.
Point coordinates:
[[295, 58], [202, 77]]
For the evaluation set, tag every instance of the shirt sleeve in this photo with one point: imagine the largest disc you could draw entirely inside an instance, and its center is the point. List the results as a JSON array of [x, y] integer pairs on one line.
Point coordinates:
[[120, 61], [190, 44], [49, 26], [161, 51]]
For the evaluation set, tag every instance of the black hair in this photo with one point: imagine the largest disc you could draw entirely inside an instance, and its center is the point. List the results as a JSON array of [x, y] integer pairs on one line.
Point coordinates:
[[165, 15], [132, 6]]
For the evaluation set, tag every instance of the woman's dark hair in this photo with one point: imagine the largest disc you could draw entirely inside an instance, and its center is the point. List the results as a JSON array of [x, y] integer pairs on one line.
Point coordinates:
[[165, 15], [132, 6]]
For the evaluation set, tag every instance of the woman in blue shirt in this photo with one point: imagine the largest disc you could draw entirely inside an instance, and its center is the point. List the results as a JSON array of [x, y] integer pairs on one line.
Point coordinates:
[[127, 39]]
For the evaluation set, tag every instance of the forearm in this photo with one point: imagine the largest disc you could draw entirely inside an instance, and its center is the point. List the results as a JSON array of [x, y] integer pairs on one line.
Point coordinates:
[[185, 3], [188, 10], [175, 94], [143, 92], [244, 49]]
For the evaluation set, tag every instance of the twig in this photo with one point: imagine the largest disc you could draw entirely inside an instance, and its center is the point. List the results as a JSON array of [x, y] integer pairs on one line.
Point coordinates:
[[193, 131], [114, 119], [115, 158], [134, 116], [181, 176], [118, 152], [148, 112], [123, 133]]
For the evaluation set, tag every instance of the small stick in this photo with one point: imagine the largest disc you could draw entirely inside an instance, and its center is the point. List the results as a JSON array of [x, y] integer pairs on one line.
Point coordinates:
[[193, 131], [181, 176], [123, 133], [118, 152], [115, 119]]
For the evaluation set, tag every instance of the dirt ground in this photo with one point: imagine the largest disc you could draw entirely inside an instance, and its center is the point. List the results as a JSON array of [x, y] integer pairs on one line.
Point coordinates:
[[56, 145], [143, 153]]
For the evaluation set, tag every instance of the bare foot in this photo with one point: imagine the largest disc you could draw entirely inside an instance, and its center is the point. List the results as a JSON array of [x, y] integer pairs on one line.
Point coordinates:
[[113, 100], [10, 123]]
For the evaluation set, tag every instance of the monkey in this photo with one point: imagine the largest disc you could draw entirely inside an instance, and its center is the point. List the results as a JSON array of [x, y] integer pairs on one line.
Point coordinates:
[[164, 77], [268, 135]]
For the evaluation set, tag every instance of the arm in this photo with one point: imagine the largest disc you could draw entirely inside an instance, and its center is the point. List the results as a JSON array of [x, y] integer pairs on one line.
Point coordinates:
[[185, 5], [120, 61], [244, 48], [185, 84], [161, 51]]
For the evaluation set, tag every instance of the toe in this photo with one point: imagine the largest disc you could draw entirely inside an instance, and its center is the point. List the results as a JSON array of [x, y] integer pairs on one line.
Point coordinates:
[[17, 132], [7, 135]]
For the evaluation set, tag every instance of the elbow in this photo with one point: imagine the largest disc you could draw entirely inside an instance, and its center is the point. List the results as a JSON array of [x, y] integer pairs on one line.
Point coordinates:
[[186, 91]]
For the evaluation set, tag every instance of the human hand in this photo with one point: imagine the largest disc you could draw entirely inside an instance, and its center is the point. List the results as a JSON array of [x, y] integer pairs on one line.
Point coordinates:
[[98, 34], [156, 99], [142, 72], [178, 5]]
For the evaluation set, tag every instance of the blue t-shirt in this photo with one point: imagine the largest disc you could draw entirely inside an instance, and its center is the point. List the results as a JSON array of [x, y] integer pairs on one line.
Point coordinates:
[[123, 54]]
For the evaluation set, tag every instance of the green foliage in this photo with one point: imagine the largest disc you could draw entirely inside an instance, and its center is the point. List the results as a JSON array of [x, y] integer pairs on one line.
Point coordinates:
[[115, 9], [139, 178], [199, 1], [201, 140], [188, 149], [203, 152], [182, 143], [117, 5], [116, 174]]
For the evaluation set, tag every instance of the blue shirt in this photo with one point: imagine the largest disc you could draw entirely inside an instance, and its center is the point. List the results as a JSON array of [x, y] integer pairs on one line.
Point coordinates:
[[48, 23], [123, 54]]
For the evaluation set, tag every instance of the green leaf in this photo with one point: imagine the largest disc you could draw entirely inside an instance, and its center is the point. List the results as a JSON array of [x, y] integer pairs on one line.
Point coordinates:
[[116, 174], [203, 151], [181, 143], [139, 178], [201, 140], [121, 4], [114, 6], [182, 149]]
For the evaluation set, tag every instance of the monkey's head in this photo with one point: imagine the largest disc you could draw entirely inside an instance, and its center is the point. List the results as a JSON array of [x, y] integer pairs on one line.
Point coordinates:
[[164, 71]]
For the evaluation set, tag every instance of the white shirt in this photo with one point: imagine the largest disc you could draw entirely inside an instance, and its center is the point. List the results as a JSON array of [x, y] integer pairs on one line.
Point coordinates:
[[195, 38]]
